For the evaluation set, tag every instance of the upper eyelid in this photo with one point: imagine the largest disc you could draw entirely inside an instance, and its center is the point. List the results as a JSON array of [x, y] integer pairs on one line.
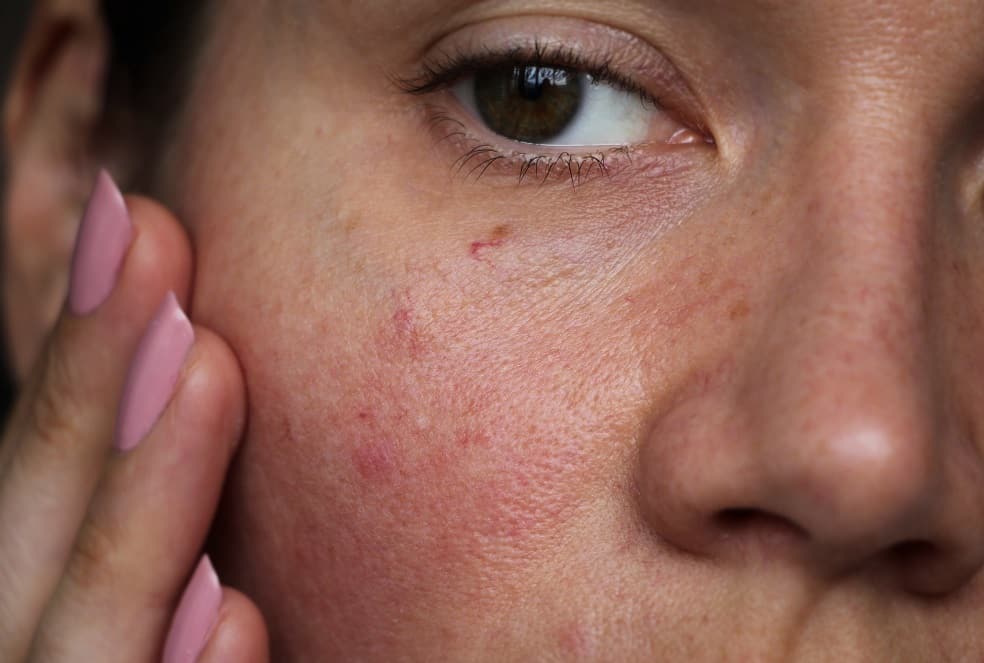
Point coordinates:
[[627, 61], [619, 54], [449, 68]]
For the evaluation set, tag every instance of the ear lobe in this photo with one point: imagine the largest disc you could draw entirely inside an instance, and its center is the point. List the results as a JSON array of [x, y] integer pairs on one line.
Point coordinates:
[[51, 113]]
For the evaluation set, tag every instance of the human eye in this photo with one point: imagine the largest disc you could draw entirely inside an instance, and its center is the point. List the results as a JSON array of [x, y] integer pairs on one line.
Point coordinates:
[[560, 106], [542, 101]]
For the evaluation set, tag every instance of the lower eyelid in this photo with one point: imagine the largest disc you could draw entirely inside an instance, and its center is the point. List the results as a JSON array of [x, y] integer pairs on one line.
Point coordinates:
[[475, 154], [476, 158]]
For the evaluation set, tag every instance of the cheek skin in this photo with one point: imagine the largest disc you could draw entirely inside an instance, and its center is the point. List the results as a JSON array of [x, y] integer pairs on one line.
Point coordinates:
[[435, 471], [430, 444], [435, 429], [441, 427]]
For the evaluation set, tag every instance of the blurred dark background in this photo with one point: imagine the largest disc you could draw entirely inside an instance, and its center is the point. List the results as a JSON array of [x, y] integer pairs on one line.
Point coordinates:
[[13, 17]]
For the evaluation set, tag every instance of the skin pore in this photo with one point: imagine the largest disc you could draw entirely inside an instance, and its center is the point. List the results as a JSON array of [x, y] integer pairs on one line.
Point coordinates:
[[705, 399]]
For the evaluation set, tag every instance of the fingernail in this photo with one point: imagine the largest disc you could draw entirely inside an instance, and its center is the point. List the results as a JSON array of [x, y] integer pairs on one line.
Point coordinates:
[[153, 372], [195, 616], [103, 238]]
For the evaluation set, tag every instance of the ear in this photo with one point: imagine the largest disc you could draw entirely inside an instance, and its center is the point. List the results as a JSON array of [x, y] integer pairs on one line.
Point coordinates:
[[51, 113]]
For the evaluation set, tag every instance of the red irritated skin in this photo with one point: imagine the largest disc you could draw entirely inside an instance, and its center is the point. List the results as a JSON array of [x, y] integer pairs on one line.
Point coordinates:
[[718, 400]]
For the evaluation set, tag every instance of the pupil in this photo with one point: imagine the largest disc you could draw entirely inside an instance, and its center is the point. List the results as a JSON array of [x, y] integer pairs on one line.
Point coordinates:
[[529, 103]]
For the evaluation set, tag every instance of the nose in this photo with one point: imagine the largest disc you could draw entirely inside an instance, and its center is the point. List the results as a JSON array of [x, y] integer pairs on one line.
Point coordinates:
[[832, 437]]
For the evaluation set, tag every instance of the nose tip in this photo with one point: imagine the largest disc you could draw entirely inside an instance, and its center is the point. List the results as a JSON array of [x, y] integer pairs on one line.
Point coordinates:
[[887, 499], [830, 442], [854, 487], [857, 496]]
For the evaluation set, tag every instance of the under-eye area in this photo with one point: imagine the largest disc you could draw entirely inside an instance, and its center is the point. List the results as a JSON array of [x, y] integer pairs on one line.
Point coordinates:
[[476, 159]]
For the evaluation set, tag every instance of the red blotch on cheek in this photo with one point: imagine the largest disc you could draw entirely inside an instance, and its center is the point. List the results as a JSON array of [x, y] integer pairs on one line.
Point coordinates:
[[375, 460], [469, 438], [403, 321], [401, 334], [576, 641]]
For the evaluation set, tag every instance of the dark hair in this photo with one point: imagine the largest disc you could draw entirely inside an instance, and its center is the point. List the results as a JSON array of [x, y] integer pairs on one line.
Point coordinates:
[[153, 47]]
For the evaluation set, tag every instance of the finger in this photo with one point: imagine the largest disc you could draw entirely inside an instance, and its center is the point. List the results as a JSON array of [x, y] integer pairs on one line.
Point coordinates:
[[238, 635], [154, 505], [57, 441]]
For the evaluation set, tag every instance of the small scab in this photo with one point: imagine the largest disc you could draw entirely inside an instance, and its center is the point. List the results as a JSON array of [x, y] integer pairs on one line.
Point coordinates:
[[496, 239]]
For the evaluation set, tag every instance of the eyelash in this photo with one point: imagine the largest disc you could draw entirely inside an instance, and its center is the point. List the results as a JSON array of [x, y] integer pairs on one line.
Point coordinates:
[[449, 68]]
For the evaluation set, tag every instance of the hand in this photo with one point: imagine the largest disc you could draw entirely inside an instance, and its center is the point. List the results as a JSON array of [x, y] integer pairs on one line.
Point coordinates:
[[112, 464]]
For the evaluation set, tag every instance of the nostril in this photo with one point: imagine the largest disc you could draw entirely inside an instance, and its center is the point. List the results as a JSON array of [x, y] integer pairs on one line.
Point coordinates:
[[913, 552], [738, 519], [913, 558], [758, 525], [928, 569]]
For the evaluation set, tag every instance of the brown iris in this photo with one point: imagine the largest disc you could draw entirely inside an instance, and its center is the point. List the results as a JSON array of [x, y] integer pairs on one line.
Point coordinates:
[[530, 104]]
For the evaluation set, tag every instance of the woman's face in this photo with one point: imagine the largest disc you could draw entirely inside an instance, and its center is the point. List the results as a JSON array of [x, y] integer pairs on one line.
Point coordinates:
[[715, 395]]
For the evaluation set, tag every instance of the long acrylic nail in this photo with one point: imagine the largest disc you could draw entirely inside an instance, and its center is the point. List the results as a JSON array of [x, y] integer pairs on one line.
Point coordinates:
[[153, 372], [103, 237], [195, 617]]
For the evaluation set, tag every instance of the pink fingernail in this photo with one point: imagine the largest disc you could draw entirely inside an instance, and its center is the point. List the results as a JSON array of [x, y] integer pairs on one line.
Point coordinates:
[[195, 616], [153, 372], [103, 238]]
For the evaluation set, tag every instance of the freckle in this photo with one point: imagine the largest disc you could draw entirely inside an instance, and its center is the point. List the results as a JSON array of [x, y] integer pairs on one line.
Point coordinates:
[[375, 460], [739, 311], [501, 232]]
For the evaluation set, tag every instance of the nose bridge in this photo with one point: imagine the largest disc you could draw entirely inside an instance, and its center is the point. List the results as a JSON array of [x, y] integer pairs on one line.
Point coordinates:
[[844, 404], [857, 300]]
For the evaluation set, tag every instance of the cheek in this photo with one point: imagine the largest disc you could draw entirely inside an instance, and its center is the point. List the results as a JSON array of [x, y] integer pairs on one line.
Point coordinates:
[[429, 424], [404, 451]]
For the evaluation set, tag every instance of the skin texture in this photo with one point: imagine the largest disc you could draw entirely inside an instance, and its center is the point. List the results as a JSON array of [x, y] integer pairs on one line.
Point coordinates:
[[722, 403]]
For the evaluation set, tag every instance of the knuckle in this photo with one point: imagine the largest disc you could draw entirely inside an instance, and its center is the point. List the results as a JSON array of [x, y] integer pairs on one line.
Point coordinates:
[[92, 564], [56, 412], [10, 639]]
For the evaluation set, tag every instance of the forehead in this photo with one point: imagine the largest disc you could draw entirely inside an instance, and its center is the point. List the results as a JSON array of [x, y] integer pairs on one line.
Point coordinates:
[[927, 48], [928, 15], [878, 28]]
